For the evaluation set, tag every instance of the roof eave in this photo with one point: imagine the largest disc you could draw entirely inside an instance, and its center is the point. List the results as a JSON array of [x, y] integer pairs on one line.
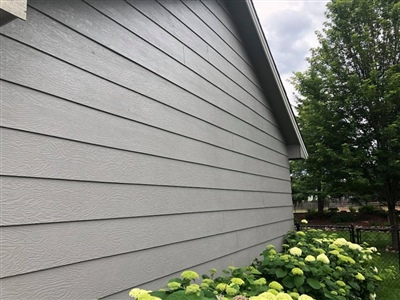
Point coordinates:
[[259, 53]]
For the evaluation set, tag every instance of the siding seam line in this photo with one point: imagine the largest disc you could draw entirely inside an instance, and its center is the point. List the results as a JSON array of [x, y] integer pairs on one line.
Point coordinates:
[[145, 249], [206, 60], [208, 44], [141, 184], [220, 37], [223, 24], [231, 96], [157, 101], [146, 216], [139, 152], [193, 267]]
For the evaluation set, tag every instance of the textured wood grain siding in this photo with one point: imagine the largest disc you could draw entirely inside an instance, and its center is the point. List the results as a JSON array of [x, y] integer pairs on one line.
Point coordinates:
[[134, 135]]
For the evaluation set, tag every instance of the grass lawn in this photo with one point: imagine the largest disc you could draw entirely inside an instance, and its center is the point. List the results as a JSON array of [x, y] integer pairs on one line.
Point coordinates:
[[390, 289]]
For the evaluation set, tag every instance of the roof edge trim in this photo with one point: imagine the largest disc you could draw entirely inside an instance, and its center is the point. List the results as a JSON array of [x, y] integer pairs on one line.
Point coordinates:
[[268, 70]]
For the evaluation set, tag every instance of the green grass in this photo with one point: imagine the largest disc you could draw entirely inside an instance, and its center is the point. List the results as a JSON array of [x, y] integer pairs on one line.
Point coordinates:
[[390, 288]]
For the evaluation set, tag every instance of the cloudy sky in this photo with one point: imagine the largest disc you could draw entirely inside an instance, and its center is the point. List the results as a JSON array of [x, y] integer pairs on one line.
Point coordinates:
[[289, 26]]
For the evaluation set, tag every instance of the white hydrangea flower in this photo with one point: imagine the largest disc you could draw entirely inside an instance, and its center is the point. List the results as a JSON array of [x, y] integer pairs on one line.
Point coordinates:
[[295, 251], [372, 296], [323, 258]]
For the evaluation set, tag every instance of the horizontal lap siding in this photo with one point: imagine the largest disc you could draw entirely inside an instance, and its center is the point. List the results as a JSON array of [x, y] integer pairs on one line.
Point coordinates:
[[59, 200], [133, 131], [96, 278], [46, 250], [239, 258]]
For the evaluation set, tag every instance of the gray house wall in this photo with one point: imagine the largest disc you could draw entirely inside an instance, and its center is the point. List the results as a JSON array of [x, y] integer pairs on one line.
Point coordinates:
[[137, 142]]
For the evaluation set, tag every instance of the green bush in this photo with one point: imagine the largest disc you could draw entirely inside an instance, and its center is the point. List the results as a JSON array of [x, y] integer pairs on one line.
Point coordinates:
[[313, 265], [236, 284], [311, 213], [352, 209], [366, 209], [323, 266], [380, 212], [343, 217], [333, 210]]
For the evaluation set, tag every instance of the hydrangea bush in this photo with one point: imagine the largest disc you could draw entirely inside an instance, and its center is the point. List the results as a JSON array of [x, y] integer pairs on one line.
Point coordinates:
[[311, 266], [323, 266]]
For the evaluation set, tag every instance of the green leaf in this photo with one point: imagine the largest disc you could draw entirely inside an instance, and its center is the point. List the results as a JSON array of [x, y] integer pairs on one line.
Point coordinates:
[[332, 284], [328, 295], [298, 280], [180, 295], [209, 294], [271, 271], [354, 285], [371, 287], [280, 273], [288, 282], [179, 280], [159, 294], [316, 272], [255, 272], [315, 284]]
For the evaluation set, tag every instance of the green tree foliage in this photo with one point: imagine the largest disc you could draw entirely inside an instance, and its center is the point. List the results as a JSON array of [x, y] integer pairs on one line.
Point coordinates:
[[349, 103]]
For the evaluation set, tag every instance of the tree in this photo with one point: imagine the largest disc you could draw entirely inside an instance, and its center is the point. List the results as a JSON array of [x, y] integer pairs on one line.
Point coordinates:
[[349, 103]]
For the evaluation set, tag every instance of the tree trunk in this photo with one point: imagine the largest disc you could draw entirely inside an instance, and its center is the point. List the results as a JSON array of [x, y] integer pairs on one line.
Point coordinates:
[[391, 197], [393, 223], [321, 203], [320, 200]]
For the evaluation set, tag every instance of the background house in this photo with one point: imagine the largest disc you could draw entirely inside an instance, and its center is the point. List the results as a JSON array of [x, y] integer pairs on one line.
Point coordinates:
[[138, 139]]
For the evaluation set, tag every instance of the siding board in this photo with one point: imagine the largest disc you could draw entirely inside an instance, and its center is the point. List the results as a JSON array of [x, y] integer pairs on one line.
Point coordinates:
[[45, 249], [94, 59], [33, 155], [215, 8], [239, 259], [214, 23], [134, 135], [201, 11], [159, 15], [197, 64], [124, 14], [186, 16], [102, 277], [28, 110], [169, 23], [71, 82], [72, 281], [109, 34], [177, 10], [48, 201], [120, 12]]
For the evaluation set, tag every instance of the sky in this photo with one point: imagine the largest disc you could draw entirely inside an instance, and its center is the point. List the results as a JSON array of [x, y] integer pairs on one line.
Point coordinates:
[[289, 27]]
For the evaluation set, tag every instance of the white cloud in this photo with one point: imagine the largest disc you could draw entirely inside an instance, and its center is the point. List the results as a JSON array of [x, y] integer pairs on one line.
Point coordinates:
[[289, 27]]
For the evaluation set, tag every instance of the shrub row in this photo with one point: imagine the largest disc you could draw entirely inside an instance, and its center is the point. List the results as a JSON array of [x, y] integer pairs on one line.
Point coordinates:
[[336, 216], [312, 265]]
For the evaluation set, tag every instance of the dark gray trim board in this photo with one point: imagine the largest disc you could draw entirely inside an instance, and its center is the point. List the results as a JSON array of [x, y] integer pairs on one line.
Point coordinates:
[[252, 34]]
